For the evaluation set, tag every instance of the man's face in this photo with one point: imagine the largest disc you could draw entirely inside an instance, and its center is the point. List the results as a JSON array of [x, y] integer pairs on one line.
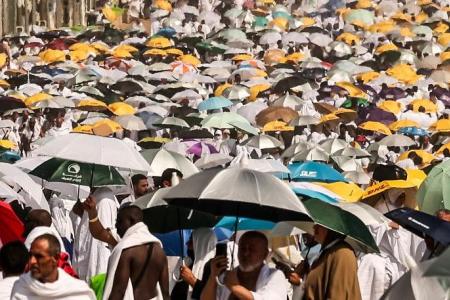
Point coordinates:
[[42, 264], [141, 188], [252, 253]]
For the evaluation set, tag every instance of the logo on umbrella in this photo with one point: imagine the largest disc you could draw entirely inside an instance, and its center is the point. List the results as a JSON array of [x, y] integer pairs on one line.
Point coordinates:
[[73, 168]]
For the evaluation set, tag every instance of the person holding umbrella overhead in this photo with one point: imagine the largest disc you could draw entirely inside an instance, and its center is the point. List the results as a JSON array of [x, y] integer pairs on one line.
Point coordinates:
[[334, 274]]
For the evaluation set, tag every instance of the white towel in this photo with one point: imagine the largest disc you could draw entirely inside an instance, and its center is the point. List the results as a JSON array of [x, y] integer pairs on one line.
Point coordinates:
[[136, 235]]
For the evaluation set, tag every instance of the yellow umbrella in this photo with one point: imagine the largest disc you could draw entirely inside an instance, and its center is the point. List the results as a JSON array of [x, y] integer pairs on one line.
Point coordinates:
[[190, 60], [404, 73], [382, 27], [368, 76], [281, 23], [82, 46], [406, 32], [156, 139], [391, 106], [441, 28], [159, 42], [429, 106], [127, 47], [426, 157], [386, 47], [375, 127], [83, 129], [162, 4], [51, 56], [328, 117], [348, 38], [4, 83], [256, 89], [155, 52], [99, 46], [92, 103], [7, 144], [121, 109], [36, 98], [221, 88], [362, 4], [122, 53], [273, 56], [444, 39], [416, 176], [3, 59], [18, 95], [105, 127], [109, 14], [242, 57], [442, 148], [78, 55], [277, 126], [306, 21], [348, 191], [442, 125], [382, 186], [295, 57], [397, 125], [174, 51], [351, 89], [421, 17], [401, 16], [444, 56]]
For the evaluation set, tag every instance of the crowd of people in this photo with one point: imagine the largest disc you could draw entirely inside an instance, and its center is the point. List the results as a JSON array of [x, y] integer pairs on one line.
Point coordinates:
[[345, 102]]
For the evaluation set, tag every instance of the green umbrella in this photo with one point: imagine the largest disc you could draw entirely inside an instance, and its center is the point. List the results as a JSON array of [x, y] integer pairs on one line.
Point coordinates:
[[341, 221], [359, 101], [61, 170], [434, 192], [260, 22], [362, 15], [206, 46], [222, 120]]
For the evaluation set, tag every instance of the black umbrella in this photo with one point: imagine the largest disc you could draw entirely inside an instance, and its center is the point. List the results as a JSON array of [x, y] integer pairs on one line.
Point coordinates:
[[287, 83], [7, 103], [422, 224], [195, 134], [52, 34]]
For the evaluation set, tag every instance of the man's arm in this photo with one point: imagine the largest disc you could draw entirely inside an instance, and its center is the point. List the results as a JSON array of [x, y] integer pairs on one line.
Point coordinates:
[[96, 228], [218, 265], [164, 274], [239, 291], [121, 277]]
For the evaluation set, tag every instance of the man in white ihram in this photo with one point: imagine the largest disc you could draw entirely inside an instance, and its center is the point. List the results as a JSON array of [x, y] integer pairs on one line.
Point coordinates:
[[45, 280], [252, 279]]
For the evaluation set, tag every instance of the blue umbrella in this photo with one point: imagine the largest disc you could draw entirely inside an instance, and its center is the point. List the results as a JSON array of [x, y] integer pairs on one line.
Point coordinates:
[[172, 244], [413, 131], [245, 224], [316, 195], [214, 103], [167, 32], [314, 171]]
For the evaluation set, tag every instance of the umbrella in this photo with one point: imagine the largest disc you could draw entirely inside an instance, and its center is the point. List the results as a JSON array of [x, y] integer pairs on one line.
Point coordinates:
[[214, 103], [263, 165], [271, 37], [336, 219], [263, 141], [397, 140], [352, 152], [313, 172], [11, 228], [375, 127], [212, 160], [313, 153], [161, 159], [198, 149], [223, 120], [365, 212], [236, 92], [95, 150], [169, 122], [358, 176], [348, 191], [131, 122], [346, 163], [333, 145], [162, 218], [305, 120], [412, 131], [244, 224], [432, 194], [269, 114], [152, 142], [363, 16], [422, 224], [7, 103], [398, 125], [252, 196], [296, 148], [288, 101], [61, 170]]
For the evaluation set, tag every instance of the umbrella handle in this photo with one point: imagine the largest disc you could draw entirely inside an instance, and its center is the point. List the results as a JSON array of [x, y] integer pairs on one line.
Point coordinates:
[[174, 277], [219, 283]]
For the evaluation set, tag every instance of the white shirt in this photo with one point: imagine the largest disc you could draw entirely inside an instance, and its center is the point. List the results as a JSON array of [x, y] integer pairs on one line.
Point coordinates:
[[271, 285], [6, 286]]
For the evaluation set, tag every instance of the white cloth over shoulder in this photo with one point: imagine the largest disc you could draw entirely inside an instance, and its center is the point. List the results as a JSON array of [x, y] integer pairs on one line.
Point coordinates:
[[90, 256], [41, 230], [136, 235], [271, 285], [6, 285], [66, 287]]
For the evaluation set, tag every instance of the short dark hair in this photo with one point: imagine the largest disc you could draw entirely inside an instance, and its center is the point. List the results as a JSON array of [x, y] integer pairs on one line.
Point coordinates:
[[167, 174], [54, 247], [257, 235], [443, 211], [138, 177], [14, 257], [132, 212]]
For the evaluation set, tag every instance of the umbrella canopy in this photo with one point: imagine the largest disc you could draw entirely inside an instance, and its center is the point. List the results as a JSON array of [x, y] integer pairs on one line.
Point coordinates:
[[95, 150], [314, 153], [214, 103], [352, 152], [270, 114], [212, 160], [434, 192], [61, 170], [422, 224], [161, 159], [397, 140], [313, 172], [131, 122], [263, 141], [244, 224], [333, 145], [170, 122], [253, 195], [375, 127], [162, 218], [341, 221]]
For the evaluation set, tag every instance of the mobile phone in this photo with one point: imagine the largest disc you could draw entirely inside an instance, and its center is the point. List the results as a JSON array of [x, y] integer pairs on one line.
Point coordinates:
[[221, 249]]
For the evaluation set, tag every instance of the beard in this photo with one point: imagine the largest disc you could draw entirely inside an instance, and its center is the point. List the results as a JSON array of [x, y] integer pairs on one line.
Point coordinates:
[[249, 268]]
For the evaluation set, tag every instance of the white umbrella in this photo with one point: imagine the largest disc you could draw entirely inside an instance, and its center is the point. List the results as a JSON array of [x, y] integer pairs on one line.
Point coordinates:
[[296, 148], [55, 102], [271, 37], [305, 120], [186, 94], [236, 92], [295, 37], [333, 145], [172, 122], [320, 39], [212, 160], [365, 212], [352, 152], [263, 141], [340, 49], [24, 185], [265, 165], [315, 154], [131, 122], [156, 109], [346, 163], [397, 140], [95, 150], [161, 159], [288, 100], [7, 193], [357, 176], [250, 110], [7, 124]]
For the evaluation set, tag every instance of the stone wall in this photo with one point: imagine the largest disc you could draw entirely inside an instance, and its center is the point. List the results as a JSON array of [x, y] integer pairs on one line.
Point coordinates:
[[17, 15]]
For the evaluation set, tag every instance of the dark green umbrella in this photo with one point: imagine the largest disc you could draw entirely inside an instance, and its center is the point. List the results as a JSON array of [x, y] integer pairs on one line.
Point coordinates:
[[161, 217], [61, 170], [341, 221]]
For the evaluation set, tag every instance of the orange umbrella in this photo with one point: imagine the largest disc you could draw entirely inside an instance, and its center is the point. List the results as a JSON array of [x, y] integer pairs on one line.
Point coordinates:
[[442, 125], [121, 109], [375, 127], [277, 113], [397, 125], [277, 126], [391, 106]]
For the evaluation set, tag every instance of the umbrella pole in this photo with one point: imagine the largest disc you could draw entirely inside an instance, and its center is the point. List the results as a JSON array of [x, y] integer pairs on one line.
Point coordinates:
[[236, 223], [180, 231], [92, 177]]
